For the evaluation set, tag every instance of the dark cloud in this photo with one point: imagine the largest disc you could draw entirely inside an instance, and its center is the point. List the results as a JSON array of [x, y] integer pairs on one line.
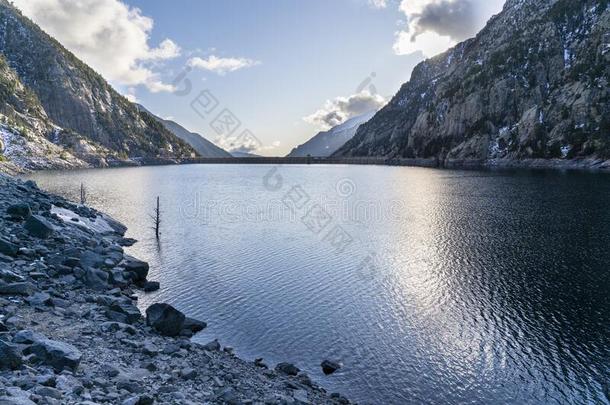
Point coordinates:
[[454, 18], [337, 111]]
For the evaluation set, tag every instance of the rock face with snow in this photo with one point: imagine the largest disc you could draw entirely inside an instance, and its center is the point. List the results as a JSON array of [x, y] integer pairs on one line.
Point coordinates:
[[25, 129], [325, 143], [55, 111], [533, 84]]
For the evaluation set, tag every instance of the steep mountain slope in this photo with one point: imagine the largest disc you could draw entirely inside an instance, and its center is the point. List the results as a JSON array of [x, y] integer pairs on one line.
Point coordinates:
[[78, 100], [533, 84], [204, 147], [23, 126], [325, 143]]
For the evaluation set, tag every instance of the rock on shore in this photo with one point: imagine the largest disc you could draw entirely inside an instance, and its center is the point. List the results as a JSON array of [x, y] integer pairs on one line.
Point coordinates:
[[71, 332]]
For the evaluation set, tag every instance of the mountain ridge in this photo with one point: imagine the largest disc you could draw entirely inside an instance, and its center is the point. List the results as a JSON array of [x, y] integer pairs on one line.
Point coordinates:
[[533, 84], [94, 122], [202, 146]]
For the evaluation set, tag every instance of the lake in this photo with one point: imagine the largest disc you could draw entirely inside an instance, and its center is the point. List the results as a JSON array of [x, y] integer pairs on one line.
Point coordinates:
[[430, 286]]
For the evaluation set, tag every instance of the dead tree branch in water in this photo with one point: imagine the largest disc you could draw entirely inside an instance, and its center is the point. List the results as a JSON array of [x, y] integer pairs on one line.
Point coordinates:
[[156, 217], [83, 194]]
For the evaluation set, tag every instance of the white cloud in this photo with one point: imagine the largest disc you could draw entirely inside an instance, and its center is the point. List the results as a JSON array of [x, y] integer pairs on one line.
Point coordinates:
[[131, 95], [274, 145], [157, 86], [110, 36], [246, 142], [433, 26], [337, 111], [429, 43], [378, 3], [221, 66], [167, 49]]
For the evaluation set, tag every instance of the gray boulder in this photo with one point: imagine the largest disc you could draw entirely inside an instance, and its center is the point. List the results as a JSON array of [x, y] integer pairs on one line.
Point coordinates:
[[16, 396], [165, 319], [118, 326], [39, 227], [229, 396], [130, 312], [137, 267], [10, 358], [31, 184], [40, 299], [56, 354], [287, 368], [139, 400], [116, 226], [193, 325], [48, 392], [171, 348], [258, 362], [10, 276], [213, 346], [119, 277], [25, 288], [19, 211], [96, 279], [188, 373], [27, 337], [70, 261], [300, 397], [8, 248], [91, 259], [329, 367], [127, 242], [149, 348], [151, 286]]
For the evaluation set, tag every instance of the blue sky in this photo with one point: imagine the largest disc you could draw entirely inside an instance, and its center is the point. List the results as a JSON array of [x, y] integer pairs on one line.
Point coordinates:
[[284, 68], [307, 55]]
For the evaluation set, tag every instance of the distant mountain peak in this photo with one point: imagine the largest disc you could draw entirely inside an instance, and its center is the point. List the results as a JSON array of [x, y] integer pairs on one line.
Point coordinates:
[[203, 147], [325, 143]]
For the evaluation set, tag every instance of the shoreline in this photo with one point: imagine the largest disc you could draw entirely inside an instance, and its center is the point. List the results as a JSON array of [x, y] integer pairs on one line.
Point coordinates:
[[585, 165], [71, 332]]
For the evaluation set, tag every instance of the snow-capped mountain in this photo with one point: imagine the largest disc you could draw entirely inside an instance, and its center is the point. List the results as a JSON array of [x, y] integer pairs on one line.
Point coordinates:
[[325, 143]]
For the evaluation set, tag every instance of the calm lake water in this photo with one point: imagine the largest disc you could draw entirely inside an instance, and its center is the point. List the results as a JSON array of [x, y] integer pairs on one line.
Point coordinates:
[[429, 286]]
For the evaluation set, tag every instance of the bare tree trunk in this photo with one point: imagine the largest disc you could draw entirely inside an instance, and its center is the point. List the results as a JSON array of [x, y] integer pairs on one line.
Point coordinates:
[[83, 194], [157, 218]]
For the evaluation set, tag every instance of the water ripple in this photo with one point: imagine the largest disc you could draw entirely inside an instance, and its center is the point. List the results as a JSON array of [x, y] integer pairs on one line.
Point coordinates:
[[483, 287]]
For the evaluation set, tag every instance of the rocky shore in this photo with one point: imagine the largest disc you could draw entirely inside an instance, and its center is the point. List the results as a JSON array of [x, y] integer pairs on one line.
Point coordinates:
[[71, 333]]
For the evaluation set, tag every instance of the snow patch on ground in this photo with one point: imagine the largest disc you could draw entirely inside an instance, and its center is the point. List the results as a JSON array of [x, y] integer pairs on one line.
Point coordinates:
[[567, 58], [97, 225], [32, 151]]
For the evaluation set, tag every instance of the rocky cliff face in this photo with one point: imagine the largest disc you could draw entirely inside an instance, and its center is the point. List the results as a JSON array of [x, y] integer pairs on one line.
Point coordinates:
[[533, 84], [79, 102], [24, 126]]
